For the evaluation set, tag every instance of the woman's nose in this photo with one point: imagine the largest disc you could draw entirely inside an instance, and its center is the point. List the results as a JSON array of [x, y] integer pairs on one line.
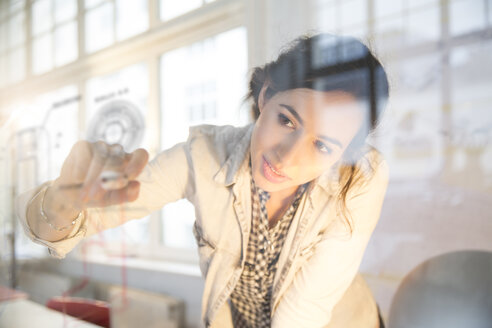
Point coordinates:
[[289, 152]]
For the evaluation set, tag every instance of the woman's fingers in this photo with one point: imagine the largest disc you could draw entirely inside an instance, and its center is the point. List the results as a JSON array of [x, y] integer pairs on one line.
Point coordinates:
[[100, 154], [127, 194], [137, 161]]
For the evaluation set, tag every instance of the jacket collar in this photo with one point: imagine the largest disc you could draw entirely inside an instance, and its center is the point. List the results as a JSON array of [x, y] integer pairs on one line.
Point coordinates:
[[237, 162]]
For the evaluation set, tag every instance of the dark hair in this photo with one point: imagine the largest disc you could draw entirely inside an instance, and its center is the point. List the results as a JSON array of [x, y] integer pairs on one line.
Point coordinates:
[[326, 62]]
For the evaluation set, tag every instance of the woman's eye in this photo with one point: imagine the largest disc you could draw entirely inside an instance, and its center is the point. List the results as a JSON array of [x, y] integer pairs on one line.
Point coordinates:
[[322, 147], [284, 120]]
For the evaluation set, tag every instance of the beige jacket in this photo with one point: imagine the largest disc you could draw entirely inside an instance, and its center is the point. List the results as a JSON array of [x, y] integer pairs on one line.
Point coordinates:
[[318, 262]]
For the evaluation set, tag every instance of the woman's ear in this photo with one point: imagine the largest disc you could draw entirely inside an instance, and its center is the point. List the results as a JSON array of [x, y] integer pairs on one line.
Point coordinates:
[[262, 96]]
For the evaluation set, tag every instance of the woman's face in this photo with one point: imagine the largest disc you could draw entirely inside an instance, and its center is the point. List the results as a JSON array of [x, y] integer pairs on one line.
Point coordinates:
[[299, 134]]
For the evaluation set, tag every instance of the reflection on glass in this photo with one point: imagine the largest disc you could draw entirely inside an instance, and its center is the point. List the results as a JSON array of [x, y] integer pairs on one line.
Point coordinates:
[[353, 12], [421, 3], [16, 5], [92, 3], [3, 36], [65, 10], [412, 139], [132, 17], [3, 70], [66, 46], [424, 24], [326, 16], [42, 54], [387, 7], [390, 32], [16, 30], [17, 65], [41, 16], [466, 16], [471, 119], [99, 28], [130, 84], [61, 136], [171, 8]]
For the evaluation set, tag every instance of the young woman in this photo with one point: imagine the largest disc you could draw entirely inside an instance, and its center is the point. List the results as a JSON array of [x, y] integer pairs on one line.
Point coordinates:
[[284, 206]]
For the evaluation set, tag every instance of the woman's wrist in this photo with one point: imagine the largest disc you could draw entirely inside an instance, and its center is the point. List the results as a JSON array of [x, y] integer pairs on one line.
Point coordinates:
[[56, 210]]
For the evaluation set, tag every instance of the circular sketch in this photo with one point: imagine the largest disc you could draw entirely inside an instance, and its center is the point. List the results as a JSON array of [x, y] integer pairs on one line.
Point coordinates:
[[117, 122]]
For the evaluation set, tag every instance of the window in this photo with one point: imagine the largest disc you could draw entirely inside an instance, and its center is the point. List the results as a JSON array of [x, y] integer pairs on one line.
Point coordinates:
[[108, 21], [467, 16], [201, 83], [341, 17], [54, 34], [403, 23], [12, 42], [170, 9]]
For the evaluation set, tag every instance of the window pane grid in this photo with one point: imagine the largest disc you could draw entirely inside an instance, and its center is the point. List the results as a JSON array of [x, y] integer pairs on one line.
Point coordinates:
[[54, 30], [170, 9], [113, 20]]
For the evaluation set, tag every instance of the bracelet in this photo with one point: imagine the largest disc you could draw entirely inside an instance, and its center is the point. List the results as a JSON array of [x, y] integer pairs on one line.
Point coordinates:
[[45, 217]]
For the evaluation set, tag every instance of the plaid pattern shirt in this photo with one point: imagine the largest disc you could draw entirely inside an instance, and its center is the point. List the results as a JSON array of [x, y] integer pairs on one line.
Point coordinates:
[[250, 300]]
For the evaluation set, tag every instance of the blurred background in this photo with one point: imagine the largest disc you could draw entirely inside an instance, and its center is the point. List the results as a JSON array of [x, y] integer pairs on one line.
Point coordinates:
[[140, 72]]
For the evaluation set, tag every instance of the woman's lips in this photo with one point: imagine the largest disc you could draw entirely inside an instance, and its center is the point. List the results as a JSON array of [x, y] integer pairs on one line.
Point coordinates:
[[271, 174]]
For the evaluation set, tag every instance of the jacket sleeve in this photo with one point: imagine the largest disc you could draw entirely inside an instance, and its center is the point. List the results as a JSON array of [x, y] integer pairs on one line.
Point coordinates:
[[165, 179], [323, 279]]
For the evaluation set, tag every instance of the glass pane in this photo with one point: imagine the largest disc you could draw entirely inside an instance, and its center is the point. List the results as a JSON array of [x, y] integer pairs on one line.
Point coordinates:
[[58, 106], [131, 233], [171, 8], [125, 94], [422, 3], [41, 17], [65, 10], [326, 17], [489, 5], [66, 46], [99, 28], [3, 70], [3, 37], [132, 17], [387, 7], [466, 16], [353, 12], [92, 3], [470, 135], [410, 136], [16, 5], [390, 32], [424, 25], [17, 65], [201, 83], [17, 34], [42, 54]]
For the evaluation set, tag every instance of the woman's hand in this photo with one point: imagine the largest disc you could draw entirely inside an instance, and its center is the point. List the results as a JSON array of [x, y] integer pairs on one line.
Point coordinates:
[[95, 175]]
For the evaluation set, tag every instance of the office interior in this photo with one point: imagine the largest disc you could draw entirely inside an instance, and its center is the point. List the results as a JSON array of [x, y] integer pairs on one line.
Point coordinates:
[[70, 69]]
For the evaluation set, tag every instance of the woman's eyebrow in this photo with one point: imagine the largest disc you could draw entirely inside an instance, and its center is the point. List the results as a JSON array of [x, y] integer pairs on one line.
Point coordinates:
[[333, 141], [299, 119], [293, 112]]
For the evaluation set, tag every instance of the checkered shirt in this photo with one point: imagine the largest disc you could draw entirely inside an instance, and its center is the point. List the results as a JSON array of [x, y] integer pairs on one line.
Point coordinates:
[[250, 300]]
